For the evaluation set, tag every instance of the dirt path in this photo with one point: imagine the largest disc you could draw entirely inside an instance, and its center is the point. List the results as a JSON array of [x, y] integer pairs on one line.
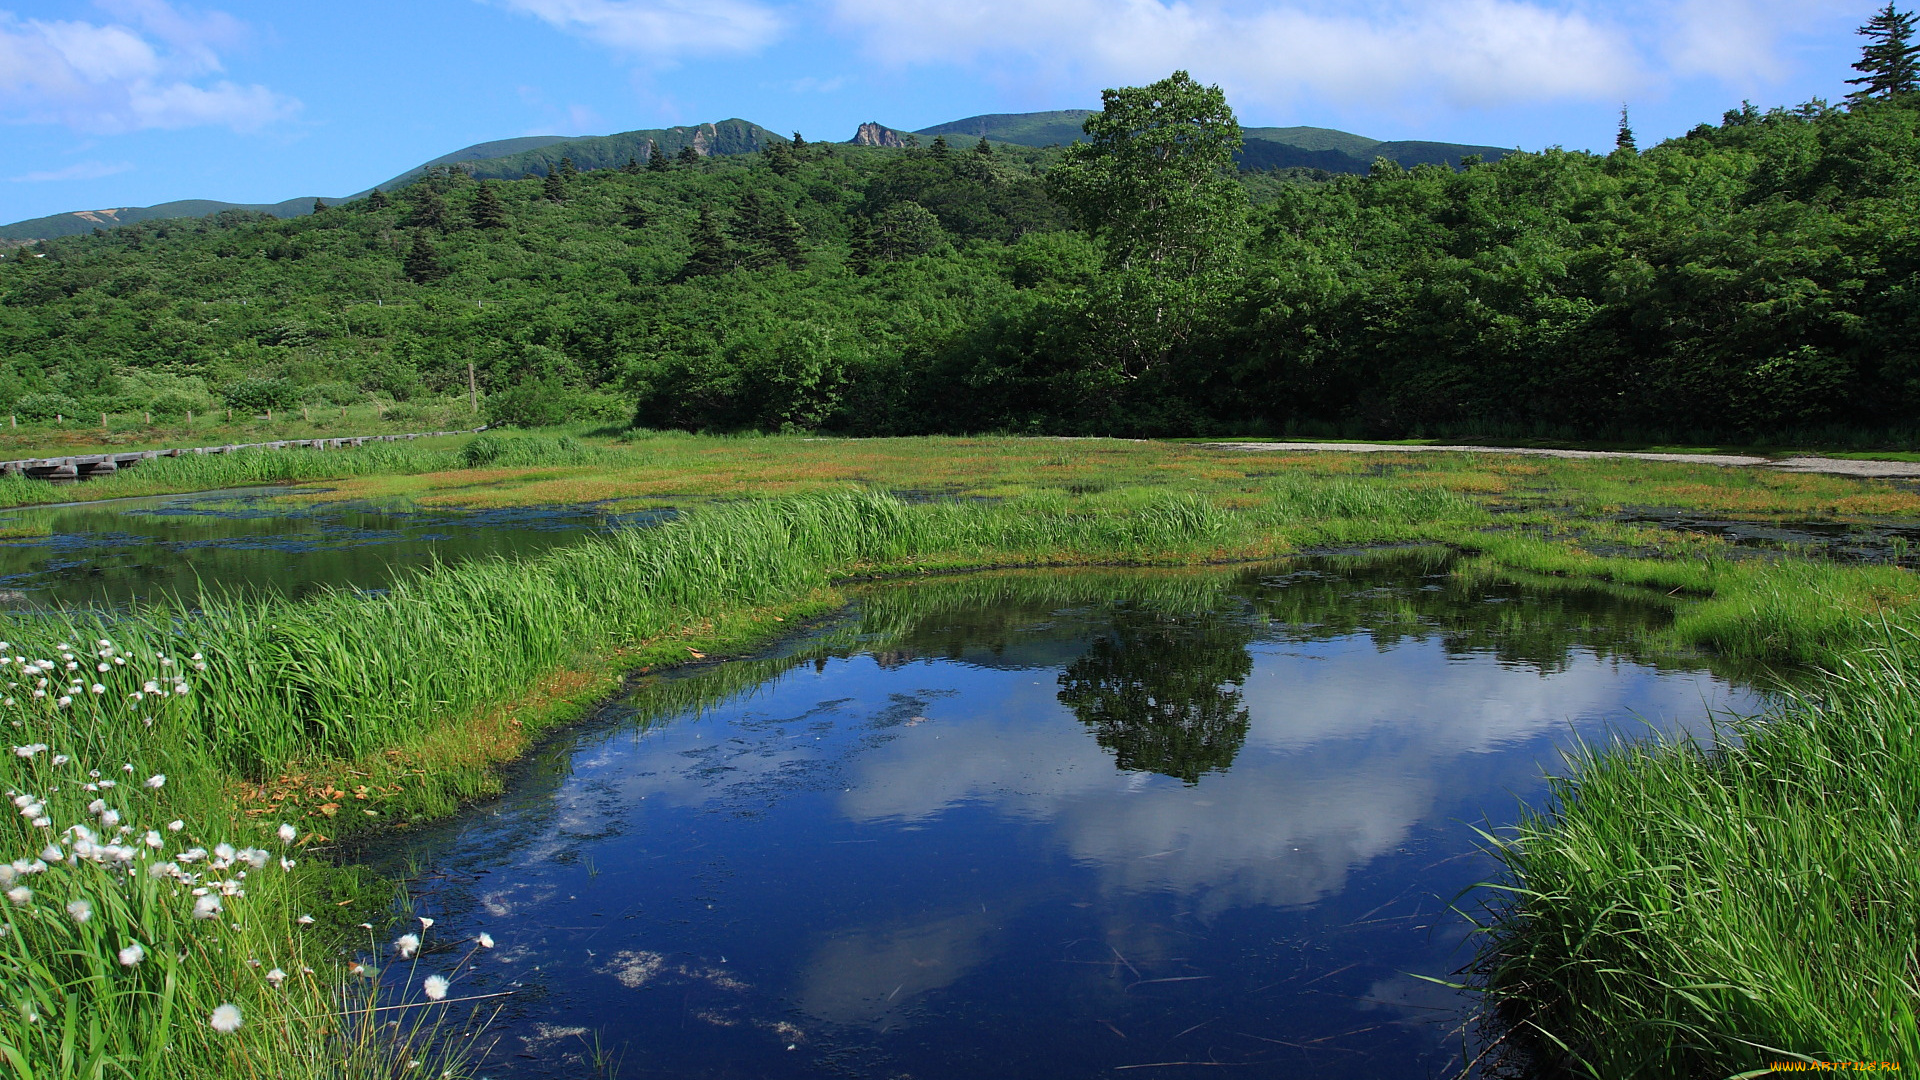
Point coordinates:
[[1837, 466]]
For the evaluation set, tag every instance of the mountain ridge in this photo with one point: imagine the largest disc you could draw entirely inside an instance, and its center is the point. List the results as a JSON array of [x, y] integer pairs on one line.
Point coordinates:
[[1325, 149]]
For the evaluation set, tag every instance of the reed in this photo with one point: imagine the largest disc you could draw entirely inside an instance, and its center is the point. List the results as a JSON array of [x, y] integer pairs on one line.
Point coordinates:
[[1693, 911], [241, 468]]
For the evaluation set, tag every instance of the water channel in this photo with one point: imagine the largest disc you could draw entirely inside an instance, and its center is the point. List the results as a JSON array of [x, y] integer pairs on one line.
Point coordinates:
[[121, 551], [1047, 825]]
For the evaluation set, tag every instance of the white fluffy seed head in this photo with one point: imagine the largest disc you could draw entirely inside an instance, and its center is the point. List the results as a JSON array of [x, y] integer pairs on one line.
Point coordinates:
[[287, 833], [132, 955], [206, 907], [157, 780], [436, 987], [406, 945], [20, 895], [276, 977], [485, 939], [80, 910], [225, 1019]]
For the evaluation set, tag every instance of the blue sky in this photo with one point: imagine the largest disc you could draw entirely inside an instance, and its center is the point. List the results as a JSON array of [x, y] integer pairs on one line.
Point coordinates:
[[132, 102]]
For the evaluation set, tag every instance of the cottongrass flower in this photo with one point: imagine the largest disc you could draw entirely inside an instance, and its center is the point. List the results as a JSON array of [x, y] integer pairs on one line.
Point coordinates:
[[406, 945], [206, 907], [436, 987], [225, 1019], [20, 895], [287, 864], [132, 955], [485, 939], [305, 920], [176, 825], [80, 910], [157, 780], [426, 923], [287, 833], [364, 971], [276, 977]]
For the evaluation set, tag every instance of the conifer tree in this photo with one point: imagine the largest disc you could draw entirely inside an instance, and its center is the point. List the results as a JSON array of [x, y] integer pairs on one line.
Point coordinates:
[[983, 148], [429, 209], [423, 262], [656, 157], [688, 155], [554, 189], [377, 200], [632, 167], [636, 215], [750, 231], [1890, 62], [799, 143], [1623, 140], [859, 247], [710, 251], [939, 147], [780, 158], [319, 205], [567, 171], [488, 211], [784, 235]]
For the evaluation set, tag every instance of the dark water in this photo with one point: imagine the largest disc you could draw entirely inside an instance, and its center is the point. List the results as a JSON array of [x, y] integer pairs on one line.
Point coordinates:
[[1042, 825], [112, 553], [1857, 542]]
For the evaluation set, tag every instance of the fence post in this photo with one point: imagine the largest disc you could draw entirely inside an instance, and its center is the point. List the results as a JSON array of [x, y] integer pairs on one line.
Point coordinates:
[[473, 388]]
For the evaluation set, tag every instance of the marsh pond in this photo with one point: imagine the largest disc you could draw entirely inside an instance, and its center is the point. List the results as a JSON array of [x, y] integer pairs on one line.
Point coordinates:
[[122, 551], [1042, 824]]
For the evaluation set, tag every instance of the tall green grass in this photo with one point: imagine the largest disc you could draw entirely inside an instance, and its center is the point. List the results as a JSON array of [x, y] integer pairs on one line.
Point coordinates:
[[1695, 911], [241, 468]]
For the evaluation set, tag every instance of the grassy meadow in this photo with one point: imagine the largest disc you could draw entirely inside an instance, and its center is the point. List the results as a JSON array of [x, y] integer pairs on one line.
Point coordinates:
[[1650, 927]]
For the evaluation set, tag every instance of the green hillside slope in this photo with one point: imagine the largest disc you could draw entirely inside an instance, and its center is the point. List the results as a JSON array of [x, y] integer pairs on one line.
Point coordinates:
[[1315, 138], [502, 159], [1060, 126], [477, 152], [80, 222], [1266, 147]]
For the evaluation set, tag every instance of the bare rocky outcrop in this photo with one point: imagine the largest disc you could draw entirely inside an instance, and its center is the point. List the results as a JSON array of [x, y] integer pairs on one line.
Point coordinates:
[[872, 133]]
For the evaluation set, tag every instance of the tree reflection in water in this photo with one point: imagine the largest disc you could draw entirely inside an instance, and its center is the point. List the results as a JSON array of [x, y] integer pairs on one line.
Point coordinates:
[[1162, 692]]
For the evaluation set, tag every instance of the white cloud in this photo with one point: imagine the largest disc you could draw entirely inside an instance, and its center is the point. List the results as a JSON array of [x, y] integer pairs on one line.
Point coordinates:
[[118, 77], [85, 170], [660, 29], [1458, 53]]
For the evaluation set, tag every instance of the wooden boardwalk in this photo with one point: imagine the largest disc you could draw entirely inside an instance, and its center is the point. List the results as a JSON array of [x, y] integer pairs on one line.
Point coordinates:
[[76, 467]]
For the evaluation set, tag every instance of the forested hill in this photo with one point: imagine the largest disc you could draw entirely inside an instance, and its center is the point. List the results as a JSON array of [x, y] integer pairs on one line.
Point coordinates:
[[510, 159], [1265, 147], [1758, 277]]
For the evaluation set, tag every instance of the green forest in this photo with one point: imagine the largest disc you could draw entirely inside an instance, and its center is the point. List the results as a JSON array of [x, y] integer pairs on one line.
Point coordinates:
[[1758, 279]]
